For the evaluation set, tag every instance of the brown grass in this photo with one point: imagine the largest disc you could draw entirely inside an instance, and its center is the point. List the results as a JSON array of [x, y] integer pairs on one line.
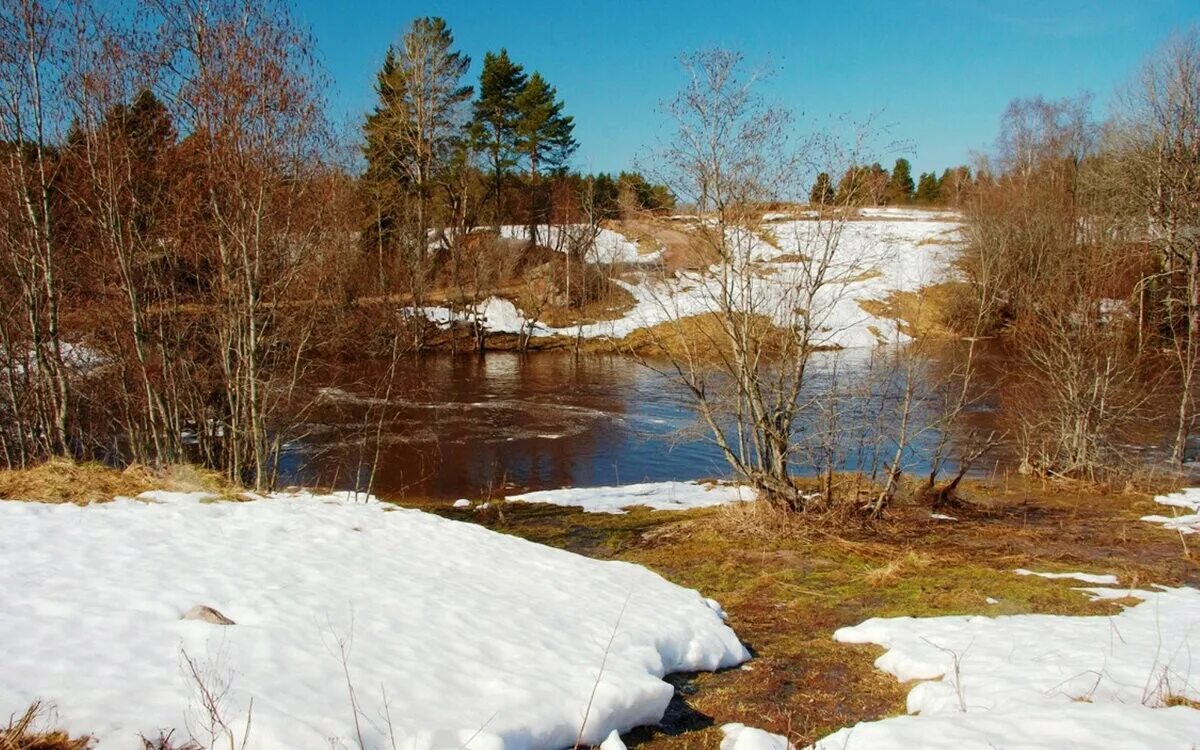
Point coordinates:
[[64, 481], [26, 733], [925, 311]]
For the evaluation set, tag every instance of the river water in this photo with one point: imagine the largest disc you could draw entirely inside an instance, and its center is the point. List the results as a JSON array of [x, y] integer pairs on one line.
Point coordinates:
[[470, 426]]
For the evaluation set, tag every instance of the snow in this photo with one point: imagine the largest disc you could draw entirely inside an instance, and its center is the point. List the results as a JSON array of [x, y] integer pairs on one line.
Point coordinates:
[[613, 742], [462, 502], [903, 213], [899, 250], [1039, 681], [463, 636], [655, 495], [1184, 523], [1104, 580], [742, 737], [610, 246], [942, 517]]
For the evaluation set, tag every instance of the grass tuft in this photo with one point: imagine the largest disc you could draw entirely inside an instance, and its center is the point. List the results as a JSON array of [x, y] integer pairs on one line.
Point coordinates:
[[26, 732], [63, 481]]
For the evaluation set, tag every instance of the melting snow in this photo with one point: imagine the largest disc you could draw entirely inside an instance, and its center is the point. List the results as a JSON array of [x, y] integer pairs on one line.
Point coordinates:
[[477, 639], [656, 495], [1104, 579], [1184, 523], [742, 737], [893, 251], [1039, 681]]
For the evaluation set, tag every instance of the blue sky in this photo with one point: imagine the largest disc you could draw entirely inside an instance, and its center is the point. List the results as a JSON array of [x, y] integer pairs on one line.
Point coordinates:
[[937, 73]]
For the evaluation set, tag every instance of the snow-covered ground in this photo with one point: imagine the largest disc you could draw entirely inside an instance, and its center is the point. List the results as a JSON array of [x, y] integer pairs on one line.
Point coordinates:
[[903, 250], [1040, 681], [610, 246], [1185, 522], [656, 495], [453, 636]]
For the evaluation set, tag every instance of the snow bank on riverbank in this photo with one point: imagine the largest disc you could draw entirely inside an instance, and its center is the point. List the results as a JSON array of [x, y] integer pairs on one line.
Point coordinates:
[[1040, 681], [454, 636], [656, 495]]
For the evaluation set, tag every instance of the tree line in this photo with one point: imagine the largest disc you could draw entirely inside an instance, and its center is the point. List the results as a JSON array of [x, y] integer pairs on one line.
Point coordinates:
[[872, 185]]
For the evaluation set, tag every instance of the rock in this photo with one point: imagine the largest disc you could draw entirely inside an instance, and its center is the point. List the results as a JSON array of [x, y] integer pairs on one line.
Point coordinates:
[[207, 614]]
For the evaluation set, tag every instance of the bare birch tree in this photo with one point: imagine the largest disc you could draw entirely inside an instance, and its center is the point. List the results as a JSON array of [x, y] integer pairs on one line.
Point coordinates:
[[741, 336]]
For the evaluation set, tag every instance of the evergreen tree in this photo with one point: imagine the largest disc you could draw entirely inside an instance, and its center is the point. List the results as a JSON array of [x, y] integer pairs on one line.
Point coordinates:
[[415, 130], [494, 127], [954, 184], [544, 138], [852, 187], [822, 190], [900, 188], [544, 134], [928, 188], [877, 184]]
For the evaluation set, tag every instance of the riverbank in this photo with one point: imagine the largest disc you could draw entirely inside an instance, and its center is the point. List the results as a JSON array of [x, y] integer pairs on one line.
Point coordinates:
[[788, 585]]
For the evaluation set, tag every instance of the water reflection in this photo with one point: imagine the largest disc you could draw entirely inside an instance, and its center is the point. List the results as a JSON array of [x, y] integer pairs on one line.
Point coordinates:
[[471, 426]]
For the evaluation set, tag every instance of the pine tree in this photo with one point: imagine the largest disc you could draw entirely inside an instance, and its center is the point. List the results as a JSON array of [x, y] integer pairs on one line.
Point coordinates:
[[928, 188], [900, 188], [544, 134], [822, 190], [494, 127], [852, 187], [415, 130], [544, 138]]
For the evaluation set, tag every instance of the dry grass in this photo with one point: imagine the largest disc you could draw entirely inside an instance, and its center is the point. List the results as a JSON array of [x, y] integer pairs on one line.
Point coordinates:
[[896, 568], [63, 481], [27, 732], [920, 312]]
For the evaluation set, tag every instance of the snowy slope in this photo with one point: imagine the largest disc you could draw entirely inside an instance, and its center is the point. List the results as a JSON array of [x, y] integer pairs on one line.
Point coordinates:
[[1040, 681], [894, 252], [609, 247], [477, 639]]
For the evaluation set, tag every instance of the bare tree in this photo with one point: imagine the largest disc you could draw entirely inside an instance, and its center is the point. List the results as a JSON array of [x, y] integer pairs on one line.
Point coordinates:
[[247, 95], [1156, 143], [742, 335], [33, 39]]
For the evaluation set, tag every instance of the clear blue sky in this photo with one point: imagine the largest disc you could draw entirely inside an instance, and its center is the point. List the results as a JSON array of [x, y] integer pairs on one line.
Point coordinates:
[[940, 72]]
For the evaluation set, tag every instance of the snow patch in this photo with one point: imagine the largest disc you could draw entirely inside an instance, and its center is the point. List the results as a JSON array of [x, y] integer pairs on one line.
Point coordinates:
[[742, 737], [1039, 681], [480, 639], [655, 495], [1184, 523], [1103, 580]]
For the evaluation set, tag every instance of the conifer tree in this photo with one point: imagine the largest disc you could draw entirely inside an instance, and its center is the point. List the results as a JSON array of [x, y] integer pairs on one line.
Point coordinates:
[[822, 190], [900, 188], [544, 134], [494, 126], [417, 125], [928, 188], [544, 137]]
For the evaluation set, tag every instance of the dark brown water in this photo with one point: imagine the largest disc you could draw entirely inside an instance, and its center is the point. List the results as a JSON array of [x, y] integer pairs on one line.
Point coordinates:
[[476, 427], [470, 426]]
